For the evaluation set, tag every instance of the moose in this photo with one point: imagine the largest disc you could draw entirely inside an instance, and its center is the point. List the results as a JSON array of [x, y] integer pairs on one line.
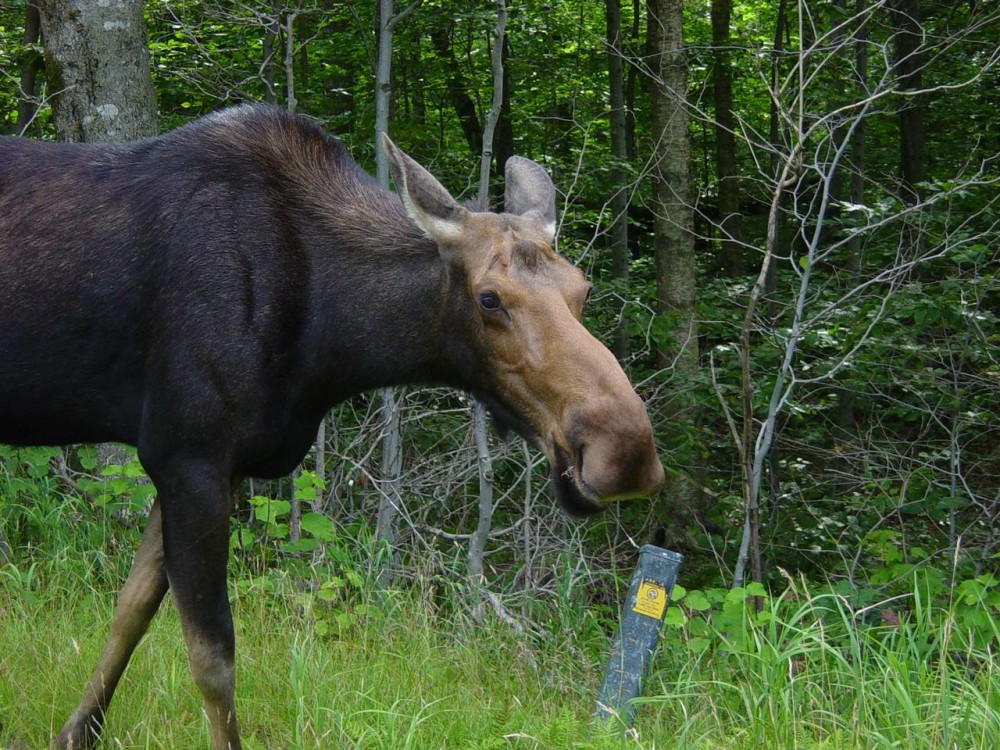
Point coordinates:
[[208, 295]]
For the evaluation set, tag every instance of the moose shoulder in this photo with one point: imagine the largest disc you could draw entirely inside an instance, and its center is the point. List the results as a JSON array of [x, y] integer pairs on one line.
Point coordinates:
[[209, 295]]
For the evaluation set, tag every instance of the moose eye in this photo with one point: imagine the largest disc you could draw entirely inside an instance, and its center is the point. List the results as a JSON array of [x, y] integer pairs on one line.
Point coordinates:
[[489, 301]]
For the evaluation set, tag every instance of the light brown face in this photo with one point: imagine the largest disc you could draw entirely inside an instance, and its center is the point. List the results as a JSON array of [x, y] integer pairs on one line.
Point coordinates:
[[545, 374]]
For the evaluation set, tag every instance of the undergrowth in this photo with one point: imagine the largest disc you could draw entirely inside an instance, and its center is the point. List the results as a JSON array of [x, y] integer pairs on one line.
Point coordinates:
[[327, 659]]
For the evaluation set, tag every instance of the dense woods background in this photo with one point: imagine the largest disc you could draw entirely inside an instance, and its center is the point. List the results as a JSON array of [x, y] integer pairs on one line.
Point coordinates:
[[790, 212]]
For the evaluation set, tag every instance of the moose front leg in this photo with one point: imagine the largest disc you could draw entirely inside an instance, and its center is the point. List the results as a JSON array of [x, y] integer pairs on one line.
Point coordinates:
[[196, 498], [137, 603]]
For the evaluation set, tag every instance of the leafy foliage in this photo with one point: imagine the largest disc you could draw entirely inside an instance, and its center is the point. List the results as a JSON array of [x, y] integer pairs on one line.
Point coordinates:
[[884, 463]]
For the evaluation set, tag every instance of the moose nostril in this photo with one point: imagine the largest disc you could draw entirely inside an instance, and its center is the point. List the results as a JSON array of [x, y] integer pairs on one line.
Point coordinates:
[[582, 472], [578, 458]]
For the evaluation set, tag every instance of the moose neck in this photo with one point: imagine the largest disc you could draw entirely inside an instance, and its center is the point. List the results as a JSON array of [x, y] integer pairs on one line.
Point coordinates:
[[378, 291]]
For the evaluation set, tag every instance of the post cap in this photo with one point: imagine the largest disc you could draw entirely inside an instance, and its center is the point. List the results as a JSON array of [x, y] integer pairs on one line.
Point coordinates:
[[666, 555]]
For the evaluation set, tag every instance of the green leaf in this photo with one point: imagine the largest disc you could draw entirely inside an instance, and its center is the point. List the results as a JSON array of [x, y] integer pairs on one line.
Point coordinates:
[[303, 545], [270, 510], [736, 596], [698, 627], [675, 617], [698, 645], [87, 457], [142, 494], [345, 619], [318, 525], [354, 579], [697, 601], [756, 589], [240, 538], [133, 469]]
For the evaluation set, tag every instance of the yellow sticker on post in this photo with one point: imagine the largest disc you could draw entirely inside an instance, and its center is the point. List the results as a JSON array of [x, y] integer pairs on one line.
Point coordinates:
[[650, 599]]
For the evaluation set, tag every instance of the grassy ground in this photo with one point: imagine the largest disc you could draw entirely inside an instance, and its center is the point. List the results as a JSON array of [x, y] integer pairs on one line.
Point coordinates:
[[393, 678], [396, 675]]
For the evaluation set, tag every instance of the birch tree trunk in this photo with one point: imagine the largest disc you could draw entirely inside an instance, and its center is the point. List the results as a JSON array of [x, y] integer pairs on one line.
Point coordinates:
[[392, 449], [477, 542], [390, 496]]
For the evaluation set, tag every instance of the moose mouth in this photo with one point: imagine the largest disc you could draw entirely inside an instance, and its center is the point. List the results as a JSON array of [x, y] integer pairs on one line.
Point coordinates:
[[575, 496]]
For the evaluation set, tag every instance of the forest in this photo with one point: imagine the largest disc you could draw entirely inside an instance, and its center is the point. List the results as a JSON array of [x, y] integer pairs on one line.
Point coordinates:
[[790, 212]]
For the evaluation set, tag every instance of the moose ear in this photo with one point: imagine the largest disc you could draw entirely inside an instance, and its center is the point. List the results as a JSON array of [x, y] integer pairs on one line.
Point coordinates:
[[428, 204], [530, 193]]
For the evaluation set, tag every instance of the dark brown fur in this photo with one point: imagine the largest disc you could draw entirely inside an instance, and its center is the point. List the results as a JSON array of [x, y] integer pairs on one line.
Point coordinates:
[[207, 296]]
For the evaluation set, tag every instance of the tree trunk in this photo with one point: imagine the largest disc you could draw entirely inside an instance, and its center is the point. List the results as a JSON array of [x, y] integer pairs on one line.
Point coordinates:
[[856, 165], [392, 443], [857, 158], [774, 135], [391, 489], [765, 287], [634, 51], [291, 102], [503, 140], [725, 143], [100, 85], [29, 69], [458, 90], [477, 542], [673, 225], [412, 83], [674, 249], [98, 70], [383, 88], [271, 36], [908, 63], [303, 50], [619, 183], [390, 496], [493, 116]]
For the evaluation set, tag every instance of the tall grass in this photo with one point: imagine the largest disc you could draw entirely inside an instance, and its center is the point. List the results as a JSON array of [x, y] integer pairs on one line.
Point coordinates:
[[406, 671], [397, 677], [805, 673]]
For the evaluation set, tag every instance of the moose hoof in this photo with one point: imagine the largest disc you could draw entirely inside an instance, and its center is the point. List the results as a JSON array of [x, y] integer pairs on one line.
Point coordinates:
[[80, 732]]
